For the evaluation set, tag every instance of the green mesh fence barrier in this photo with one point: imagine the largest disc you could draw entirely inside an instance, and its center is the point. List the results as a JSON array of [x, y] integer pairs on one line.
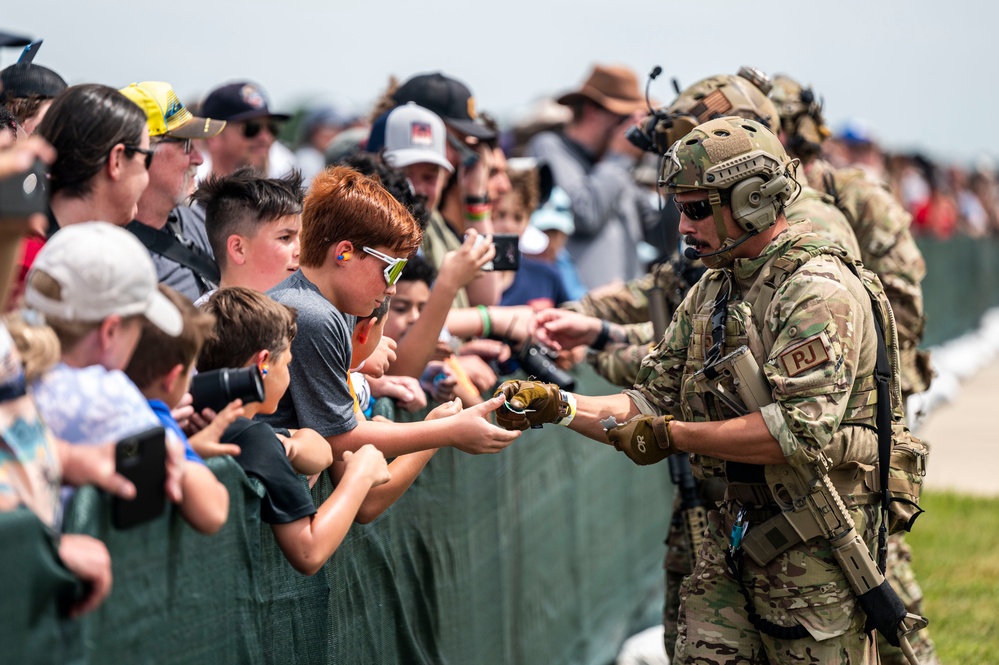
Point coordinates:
[[549, 552], [962, 283]]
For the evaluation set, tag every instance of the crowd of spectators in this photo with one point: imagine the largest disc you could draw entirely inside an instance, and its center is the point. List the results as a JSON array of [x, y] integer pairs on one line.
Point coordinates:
[[945, 200], [351, 267]]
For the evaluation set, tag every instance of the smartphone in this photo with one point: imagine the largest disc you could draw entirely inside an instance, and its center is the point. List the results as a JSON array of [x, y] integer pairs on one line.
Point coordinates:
[[142, 459], [23, 194], [469, 157], [507, 252]]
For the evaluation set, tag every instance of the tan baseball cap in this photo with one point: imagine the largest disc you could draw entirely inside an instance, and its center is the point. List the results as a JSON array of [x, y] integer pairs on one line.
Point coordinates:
[[101, 270]]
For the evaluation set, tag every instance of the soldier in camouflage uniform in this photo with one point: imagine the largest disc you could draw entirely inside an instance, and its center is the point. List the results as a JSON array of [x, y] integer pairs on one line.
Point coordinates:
[[813, 336], [881, 225], [629, 329], [879, 222]]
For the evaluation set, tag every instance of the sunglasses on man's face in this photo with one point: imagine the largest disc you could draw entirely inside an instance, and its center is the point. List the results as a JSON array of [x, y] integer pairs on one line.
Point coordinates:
[[187, 143], [253, 127], [130, 151], [393, 271], [695, 210]]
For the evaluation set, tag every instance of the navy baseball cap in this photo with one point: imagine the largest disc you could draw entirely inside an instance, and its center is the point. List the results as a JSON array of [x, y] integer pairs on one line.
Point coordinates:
[[235, 102], [449, 98]]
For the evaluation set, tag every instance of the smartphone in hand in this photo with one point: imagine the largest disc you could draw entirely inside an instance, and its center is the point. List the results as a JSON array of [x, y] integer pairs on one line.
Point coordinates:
[[23, 194], [507, 251], [142, 459]]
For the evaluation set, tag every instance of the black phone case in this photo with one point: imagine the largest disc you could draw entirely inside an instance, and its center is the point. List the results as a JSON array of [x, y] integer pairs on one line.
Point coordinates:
[[23, 194], [142, 459], [507, 251]]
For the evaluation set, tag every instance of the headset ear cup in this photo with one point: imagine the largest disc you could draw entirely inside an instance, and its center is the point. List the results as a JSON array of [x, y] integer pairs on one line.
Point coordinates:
[[751, 210]]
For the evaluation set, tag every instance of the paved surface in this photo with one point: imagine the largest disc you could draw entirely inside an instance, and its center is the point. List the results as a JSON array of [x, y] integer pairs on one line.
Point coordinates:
[[964, 437]]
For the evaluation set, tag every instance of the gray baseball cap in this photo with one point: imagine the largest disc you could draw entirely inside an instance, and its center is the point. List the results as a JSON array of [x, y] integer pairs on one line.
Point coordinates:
[[415, 135]]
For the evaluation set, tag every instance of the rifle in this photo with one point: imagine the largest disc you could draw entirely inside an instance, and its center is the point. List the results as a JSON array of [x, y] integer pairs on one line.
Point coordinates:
[[812, 508]]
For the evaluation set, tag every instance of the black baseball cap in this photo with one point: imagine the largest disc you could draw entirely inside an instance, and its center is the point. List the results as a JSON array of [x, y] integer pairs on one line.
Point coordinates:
[[235, 102], [26, 79], [448, 98], [7, 39]]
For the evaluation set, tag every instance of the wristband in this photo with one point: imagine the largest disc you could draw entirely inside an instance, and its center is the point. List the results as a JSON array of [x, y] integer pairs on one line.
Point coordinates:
[[477, 212], [473, 200], [487, 322], [570, 407], [601, 341]]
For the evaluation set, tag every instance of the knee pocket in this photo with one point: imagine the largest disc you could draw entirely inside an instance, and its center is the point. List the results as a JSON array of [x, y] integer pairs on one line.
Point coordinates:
[[803, 586]]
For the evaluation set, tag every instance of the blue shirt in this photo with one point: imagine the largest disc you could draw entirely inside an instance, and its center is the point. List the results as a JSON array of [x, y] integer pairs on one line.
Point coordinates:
[[162, 412]]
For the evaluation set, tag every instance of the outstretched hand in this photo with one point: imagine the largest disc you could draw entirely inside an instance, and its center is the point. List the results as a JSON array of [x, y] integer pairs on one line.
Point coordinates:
[[528, 404], [206, 441], [563, 329], [477, 434]]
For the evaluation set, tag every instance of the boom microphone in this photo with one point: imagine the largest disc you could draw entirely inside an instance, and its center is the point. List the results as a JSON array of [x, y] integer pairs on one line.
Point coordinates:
[[691, 253]]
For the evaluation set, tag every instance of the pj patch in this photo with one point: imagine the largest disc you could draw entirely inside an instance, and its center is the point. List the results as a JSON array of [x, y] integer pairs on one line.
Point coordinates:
[[806, 355]]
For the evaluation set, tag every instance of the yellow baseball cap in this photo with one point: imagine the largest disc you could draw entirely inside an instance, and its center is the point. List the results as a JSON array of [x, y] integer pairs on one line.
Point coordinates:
[[165, 114]]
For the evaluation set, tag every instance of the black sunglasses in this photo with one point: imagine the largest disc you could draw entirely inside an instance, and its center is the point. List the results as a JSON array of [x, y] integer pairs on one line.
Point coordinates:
[[253, 127], [130, 150], [695, 210]]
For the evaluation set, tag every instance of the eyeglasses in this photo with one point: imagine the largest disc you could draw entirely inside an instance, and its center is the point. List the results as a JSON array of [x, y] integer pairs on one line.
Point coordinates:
[[188, 143], [253, 127], [393, 271], [695, 210], [130, 150]]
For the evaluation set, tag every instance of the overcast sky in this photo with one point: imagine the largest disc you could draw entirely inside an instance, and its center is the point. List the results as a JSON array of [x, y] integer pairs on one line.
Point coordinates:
[[921, 73]]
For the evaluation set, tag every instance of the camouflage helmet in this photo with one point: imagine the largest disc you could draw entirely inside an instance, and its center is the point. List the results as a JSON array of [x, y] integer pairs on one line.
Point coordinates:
[[739, 162], [801, 116], [743, 95]]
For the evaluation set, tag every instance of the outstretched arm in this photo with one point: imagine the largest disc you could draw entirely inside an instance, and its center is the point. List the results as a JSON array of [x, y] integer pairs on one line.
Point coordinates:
[[309, 542]]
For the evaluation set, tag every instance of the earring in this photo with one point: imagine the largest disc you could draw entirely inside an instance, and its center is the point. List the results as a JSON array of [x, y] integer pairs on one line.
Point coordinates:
[[263, 369]]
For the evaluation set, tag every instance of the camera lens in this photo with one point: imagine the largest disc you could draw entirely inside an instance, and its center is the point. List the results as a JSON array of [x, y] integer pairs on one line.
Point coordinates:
[[538, 361], [215, 389]]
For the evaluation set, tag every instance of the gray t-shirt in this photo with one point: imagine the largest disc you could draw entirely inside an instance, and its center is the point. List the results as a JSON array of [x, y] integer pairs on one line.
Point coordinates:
[[318, 396], [190, 223]]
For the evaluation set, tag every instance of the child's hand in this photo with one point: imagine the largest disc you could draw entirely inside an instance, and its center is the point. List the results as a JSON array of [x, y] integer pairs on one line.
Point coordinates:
[[461, 266], [478, 371], [405, 390], [206, 441], [445, 410], [380, 359], [182, 413], [369, 462], [439, 381], [476, 434], [176, 461], [89, 560]]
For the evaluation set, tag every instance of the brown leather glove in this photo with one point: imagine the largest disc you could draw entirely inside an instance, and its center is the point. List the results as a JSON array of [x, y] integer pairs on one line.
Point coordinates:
[[645, 439], [530, 404]]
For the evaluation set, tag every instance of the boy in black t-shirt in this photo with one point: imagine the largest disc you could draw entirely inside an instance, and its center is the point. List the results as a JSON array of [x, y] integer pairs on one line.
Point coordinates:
[[252, 329]]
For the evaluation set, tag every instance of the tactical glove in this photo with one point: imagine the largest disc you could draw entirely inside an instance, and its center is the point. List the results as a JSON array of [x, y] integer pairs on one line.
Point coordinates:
[[645, 439], [532, 404]]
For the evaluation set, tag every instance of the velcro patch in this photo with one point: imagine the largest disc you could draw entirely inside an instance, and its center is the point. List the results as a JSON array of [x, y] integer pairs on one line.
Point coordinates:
[[806, 355]]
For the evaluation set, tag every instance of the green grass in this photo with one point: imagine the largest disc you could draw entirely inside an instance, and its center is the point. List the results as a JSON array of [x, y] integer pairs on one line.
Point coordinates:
[[956, 558]]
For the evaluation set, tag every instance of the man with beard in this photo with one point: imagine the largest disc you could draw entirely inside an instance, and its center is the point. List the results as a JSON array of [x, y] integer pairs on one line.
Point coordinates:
[[174, 233]]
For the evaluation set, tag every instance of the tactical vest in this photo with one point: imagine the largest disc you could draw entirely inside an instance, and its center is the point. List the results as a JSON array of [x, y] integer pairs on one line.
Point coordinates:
[[743, 327], [908, 454]]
